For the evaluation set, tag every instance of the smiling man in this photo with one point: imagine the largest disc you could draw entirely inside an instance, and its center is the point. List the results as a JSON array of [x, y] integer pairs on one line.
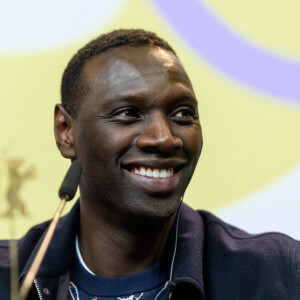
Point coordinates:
[[137, 133], [129, 115]]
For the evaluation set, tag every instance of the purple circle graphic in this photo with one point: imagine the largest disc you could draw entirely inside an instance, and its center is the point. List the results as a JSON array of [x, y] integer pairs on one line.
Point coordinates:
[[230, 53]]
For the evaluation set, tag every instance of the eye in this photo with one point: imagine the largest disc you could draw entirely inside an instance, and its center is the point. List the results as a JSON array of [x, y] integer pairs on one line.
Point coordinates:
[[127, 113], [184, 115]]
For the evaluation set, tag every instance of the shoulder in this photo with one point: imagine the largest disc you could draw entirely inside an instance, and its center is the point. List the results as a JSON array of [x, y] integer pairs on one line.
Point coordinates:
[[35, 234], [28, 245], [222, 236], [232, 239], [215, 227], [270, 260], [25, 244]]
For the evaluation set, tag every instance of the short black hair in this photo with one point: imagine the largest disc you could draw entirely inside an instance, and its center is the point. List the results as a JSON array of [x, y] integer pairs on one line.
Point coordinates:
[[73, 84]]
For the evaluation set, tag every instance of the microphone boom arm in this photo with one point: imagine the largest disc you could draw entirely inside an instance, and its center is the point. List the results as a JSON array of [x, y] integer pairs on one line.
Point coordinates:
[[66, 192], [27, 283]]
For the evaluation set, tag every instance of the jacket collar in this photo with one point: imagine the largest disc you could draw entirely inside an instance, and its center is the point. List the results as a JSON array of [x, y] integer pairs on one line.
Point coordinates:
[[188, 264]]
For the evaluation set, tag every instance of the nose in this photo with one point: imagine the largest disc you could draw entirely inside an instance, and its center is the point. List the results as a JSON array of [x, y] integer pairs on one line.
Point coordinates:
[[157, 135]]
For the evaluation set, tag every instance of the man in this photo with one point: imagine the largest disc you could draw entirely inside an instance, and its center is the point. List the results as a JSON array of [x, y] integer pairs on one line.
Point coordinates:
[[129, 114]]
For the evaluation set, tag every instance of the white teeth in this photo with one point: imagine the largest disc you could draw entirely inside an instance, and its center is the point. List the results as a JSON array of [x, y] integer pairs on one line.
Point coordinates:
[[163, 173], [156, 173], [149, 173], [142, 171]]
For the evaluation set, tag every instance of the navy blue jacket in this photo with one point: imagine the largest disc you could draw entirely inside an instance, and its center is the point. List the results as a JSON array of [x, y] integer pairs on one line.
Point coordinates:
[[213, 261]]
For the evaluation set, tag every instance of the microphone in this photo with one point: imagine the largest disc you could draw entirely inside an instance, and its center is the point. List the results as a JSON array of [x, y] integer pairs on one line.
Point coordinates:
[[69, 185], [66, 192]]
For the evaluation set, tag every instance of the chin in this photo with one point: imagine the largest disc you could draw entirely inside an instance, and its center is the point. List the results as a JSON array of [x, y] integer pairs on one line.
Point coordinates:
[[156, 208]]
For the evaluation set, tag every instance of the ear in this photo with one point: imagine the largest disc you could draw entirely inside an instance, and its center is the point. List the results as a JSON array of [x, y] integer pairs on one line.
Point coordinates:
[[64, 132]]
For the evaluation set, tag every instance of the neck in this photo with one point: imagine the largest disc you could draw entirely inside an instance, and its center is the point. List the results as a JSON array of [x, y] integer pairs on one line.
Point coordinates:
[[112, 249]]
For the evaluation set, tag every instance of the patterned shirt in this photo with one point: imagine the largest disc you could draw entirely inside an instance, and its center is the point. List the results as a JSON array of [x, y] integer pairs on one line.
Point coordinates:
[[148, 285]]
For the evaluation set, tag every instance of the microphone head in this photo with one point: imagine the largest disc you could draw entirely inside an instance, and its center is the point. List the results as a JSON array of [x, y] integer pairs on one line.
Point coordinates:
[[70, 183]]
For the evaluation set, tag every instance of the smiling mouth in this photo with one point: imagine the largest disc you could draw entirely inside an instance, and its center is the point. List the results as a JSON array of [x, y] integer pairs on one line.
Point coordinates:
[[151, 172], [154, 176]]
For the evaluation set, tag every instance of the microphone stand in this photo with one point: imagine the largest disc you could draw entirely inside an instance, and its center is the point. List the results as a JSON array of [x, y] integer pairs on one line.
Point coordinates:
[[27, 283], [66, 192]]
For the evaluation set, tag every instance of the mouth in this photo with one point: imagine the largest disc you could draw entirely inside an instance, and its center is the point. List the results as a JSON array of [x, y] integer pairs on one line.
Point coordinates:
[[157, 170], [152, 172], [155, 177]]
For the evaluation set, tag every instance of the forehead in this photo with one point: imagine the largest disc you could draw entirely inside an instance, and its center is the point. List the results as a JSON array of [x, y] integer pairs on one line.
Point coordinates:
[[129, 67]]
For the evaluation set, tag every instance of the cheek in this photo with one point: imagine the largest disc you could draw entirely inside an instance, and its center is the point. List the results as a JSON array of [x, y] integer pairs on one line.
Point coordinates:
[[104, 142], [199, 142], [91, 142], [192, 141]]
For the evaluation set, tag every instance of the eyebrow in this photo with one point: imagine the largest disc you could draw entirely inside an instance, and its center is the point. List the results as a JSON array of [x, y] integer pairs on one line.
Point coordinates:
[[183, 95], [186, 97], [126, 98]]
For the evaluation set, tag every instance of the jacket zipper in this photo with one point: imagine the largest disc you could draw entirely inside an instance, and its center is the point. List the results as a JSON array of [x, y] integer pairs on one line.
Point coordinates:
[[38, 288]]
